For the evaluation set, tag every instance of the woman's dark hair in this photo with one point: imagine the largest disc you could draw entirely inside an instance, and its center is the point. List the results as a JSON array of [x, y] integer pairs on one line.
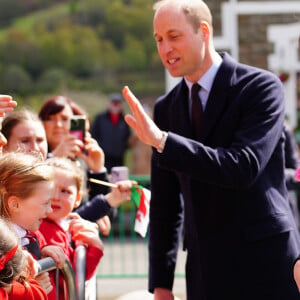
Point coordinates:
[[53, 106]]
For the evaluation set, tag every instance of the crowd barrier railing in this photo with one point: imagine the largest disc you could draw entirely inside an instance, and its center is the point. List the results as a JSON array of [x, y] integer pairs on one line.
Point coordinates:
[[75, 279]]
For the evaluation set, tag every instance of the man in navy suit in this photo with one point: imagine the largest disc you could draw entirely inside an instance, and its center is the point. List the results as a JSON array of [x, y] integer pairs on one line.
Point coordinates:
[[225, 182]]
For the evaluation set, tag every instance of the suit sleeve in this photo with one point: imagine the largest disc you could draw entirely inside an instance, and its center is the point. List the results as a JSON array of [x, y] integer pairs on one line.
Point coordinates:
[[244, 138], [94, 209], [165, 227]]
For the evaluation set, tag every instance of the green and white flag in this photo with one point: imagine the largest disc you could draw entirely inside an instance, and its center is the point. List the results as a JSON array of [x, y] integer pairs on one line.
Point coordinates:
[[141, 197]]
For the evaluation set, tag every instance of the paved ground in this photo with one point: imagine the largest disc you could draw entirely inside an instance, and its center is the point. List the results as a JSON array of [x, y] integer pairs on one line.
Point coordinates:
[[112, 289], [128, 262]]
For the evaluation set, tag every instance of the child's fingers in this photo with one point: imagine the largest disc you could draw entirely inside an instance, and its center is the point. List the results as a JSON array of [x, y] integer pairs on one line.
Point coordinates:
[[73, 215]]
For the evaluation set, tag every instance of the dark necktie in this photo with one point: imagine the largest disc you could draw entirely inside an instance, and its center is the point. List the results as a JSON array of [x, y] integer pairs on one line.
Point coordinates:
[[197, 110], [33, 246]]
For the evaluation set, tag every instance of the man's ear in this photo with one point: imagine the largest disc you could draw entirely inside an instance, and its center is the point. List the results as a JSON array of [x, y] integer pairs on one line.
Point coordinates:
[[205, 30], [78, 199], [13, 203]]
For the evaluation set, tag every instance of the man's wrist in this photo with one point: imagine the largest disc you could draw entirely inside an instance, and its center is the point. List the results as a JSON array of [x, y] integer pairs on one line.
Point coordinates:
[[161, 146]]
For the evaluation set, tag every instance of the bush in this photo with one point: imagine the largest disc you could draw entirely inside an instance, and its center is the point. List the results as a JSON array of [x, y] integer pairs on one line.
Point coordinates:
[[16, 80], [51, 80]]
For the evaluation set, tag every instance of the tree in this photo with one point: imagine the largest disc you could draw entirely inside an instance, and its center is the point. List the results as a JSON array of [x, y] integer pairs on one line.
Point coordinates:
[[15, 80]]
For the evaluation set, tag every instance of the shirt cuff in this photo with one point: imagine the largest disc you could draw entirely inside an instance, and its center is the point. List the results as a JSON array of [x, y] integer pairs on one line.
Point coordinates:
[[162, 143]]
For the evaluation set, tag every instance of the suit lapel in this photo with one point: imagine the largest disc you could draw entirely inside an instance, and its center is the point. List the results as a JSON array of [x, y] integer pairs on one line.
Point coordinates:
[[218, 98]]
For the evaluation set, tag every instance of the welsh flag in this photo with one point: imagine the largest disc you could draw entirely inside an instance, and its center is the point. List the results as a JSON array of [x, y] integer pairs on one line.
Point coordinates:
[[141, 197]]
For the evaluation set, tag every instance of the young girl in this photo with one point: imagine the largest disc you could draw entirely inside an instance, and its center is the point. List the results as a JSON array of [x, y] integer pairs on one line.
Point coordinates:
[[24, 132], [61, 224], [26, 189], [16, 280]]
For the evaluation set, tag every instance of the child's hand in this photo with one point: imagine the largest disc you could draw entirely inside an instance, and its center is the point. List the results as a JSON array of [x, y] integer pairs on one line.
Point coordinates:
[[85, 232], [121, 193], [56, 253], [44, 281], [104, 225], [32, 265]]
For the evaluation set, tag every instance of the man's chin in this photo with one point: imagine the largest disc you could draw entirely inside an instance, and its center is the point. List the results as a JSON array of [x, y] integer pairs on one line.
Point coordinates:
[[175, 73]]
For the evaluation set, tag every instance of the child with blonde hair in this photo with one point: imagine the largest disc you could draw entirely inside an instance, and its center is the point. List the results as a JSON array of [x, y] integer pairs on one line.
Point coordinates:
[[61, 223], [26, 189], [16, 274]]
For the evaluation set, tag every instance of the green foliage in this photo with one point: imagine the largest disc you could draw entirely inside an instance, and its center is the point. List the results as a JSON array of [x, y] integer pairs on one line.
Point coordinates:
[[83, 45], [15, 80], [134, 54], [51, 79]]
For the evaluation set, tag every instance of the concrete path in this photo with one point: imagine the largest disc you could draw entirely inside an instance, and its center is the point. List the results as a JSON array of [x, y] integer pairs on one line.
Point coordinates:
[[114, 289], [128, 263], [139, 295]]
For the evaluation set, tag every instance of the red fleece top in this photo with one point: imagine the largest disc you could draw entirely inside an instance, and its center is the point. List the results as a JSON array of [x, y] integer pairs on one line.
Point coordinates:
[[56, 235], [30, 291]]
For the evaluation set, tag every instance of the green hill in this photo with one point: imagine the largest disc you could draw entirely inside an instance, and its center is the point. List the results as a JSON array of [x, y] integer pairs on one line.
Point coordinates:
[[85, 51]]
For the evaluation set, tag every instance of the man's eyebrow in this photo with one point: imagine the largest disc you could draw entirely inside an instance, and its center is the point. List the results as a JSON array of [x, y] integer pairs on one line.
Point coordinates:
[[170, 31]]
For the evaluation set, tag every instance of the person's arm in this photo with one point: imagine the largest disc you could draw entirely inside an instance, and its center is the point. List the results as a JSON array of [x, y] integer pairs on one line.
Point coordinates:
[[30, 290], [100, 205], [85, 232], [94, 209], [165, 227], [250, 146], [140, 122]]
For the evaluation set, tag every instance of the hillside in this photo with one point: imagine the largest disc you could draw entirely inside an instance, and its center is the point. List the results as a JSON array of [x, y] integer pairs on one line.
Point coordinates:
[[87, 49]]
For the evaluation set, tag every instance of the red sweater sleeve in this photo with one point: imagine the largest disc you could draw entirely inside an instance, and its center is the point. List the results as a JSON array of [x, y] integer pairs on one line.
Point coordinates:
[[3, 294], [31, 290], [93, 257]]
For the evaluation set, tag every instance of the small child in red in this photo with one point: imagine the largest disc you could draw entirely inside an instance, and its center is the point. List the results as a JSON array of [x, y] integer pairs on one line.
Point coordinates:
[[26, 188], [61, 227], [16, 269]]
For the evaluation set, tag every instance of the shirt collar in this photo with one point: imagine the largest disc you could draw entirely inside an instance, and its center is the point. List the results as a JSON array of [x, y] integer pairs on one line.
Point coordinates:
[[206, 81], [21, 232]]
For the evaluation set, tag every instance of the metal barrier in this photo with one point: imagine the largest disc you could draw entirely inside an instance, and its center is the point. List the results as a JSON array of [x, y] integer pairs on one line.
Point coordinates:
[[47, 264], [75, 280], [80, 268]]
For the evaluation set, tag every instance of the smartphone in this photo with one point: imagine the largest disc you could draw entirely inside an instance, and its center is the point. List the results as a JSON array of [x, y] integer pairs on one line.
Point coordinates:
[[77, 127], [119, 173]]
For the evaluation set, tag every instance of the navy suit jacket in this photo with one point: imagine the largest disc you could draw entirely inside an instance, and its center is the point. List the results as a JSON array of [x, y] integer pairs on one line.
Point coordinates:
[[228, 188]]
